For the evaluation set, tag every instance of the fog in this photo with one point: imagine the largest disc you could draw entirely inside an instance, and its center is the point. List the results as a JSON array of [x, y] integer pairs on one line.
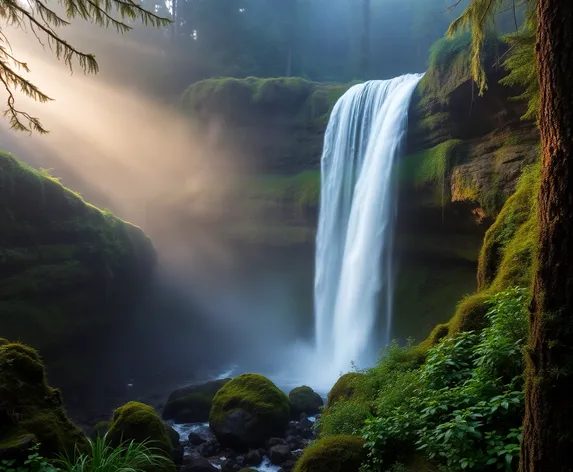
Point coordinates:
[[212, 304]]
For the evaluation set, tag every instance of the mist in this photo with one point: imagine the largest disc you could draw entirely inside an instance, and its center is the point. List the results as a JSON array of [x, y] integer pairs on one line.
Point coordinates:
[[124, 149]]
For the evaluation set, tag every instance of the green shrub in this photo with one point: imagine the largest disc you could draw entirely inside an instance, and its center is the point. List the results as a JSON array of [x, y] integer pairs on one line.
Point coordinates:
[[465, 406], [345, 417], [33, 462], [126, 456]]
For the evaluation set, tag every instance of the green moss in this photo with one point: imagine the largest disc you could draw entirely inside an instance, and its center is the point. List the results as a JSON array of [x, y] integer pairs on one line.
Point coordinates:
[[430, 168], [507, 252], [292, 99], [65, 266], [173, 435], [192, 404], [333, 454], [470, 313], [343, 389], [304, 400], [259, 399], [29, 407], [139, 422]]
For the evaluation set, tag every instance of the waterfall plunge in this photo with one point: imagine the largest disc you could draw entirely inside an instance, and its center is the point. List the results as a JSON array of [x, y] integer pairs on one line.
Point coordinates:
[[354, 269]]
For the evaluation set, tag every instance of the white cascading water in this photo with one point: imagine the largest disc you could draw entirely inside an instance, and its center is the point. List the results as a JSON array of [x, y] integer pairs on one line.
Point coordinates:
[[354, 267]]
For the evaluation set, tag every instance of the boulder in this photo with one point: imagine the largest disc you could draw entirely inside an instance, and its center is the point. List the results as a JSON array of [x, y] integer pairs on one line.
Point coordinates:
[[304, 400], [248, 410], [253, 457], [140, 422], [198, 464], [333, 454], [192, 404], [279, 454], [31, 411]]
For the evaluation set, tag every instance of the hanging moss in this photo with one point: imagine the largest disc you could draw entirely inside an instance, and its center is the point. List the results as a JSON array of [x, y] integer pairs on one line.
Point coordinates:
[[430, 169]]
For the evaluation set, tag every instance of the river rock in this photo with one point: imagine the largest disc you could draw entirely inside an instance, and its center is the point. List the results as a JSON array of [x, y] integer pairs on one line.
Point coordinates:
[[287, 466], [196, 439], [253, 458], [198, 464], [279, 454], [209, 448], [229, 465]]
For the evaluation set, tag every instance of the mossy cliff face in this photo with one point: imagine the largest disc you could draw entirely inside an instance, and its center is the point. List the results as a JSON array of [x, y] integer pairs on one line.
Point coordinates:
[[275, 124], [70, 274], [464, 156], [30, 410]]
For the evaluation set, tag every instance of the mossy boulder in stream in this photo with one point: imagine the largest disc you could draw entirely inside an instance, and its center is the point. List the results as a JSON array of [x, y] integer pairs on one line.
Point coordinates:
[[249, 410], [30, 410], [192, 404], [333, 454], [139, 422], [304, 400]]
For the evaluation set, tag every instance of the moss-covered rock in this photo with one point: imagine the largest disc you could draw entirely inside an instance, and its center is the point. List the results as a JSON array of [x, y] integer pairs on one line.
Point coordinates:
[[192, 404], [139, 422], [343, 389], [248, 410], [100, 430], [333, 454], [30, 410], [304, 400], [69, 272]]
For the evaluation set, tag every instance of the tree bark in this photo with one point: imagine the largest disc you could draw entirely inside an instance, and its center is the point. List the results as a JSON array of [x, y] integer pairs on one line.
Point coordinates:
[[548, 426]]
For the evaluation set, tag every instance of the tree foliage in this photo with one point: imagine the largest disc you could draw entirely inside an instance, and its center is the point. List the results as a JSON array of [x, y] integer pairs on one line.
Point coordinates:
[[38, 18]]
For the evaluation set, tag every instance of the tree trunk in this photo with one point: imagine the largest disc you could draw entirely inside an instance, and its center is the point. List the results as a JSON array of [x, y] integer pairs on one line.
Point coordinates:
[[548, 425]]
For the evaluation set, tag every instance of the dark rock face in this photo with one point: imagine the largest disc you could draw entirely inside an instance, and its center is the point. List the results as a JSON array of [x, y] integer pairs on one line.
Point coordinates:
[[192, 404], [287, 466], [253, 458]]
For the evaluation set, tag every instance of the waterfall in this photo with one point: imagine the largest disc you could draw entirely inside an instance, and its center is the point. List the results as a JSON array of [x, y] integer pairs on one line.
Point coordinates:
[[353, 285]]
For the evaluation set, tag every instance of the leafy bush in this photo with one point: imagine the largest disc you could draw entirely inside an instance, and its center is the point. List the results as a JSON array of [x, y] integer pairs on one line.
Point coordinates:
[[463, 408], [33, 463], [127, 456]]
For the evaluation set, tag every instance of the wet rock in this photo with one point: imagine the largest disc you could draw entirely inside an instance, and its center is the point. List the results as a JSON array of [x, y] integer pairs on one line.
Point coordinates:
[[209, 448], [253, 457], [279, 454], [275, 442], [304, 400], [294, 442], [288, 466], [230, 465], [305, 423], [198, 464], [196, 439]]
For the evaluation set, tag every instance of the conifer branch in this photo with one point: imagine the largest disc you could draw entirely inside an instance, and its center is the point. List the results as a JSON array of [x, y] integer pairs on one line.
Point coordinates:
[[43, 22]]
